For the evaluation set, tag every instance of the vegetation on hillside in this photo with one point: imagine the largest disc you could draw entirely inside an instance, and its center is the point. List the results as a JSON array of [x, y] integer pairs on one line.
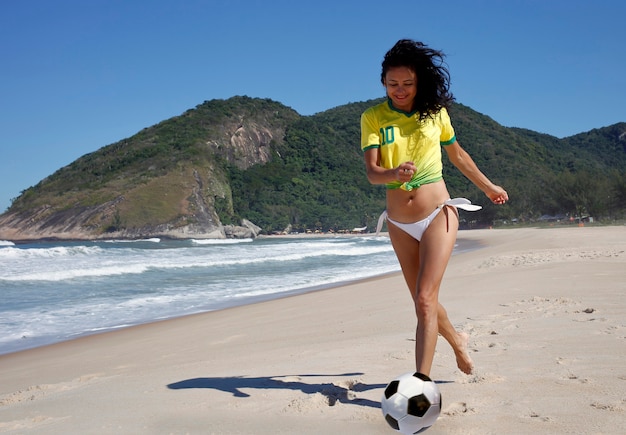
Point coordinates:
[[314, 177], [317, 179]]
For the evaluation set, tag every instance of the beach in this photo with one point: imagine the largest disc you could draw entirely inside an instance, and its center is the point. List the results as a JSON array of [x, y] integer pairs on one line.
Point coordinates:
[[545, 310]]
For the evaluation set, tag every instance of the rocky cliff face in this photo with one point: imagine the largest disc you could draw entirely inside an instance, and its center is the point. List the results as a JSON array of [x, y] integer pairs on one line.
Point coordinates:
[[155, 184]]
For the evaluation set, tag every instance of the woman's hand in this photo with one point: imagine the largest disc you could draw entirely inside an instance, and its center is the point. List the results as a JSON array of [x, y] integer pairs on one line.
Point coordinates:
[[405, 171], [379, 175], [497, 194]]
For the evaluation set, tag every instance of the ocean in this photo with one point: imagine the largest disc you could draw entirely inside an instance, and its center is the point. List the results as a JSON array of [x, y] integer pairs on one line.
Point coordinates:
[[56, 291]]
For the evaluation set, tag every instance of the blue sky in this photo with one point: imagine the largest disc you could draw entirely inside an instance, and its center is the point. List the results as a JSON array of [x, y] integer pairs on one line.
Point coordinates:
[[77, 75]]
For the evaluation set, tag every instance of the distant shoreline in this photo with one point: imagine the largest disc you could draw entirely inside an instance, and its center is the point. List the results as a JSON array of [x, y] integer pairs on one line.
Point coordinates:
[[299, 235]]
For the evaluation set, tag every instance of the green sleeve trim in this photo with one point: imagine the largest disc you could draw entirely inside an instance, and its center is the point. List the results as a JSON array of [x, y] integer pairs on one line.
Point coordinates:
[[449, 142], [370, 147]]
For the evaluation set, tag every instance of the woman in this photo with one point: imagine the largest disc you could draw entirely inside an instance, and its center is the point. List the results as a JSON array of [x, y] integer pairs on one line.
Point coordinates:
[[402, 139]]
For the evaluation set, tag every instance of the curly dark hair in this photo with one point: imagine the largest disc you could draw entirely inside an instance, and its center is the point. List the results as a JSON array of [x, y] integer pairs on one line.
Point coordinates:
[[433, 78]]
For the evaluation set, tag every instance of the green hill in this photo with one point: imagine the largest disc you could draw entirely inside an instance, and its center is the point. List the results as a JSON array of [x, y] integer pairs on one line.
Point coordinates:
[[256, 159]]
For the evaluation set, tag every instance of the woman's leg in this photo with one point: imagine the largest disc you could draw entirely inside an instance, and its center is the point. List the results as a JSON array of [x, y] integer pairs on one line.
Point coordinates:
[[423, 264], [458, 340]]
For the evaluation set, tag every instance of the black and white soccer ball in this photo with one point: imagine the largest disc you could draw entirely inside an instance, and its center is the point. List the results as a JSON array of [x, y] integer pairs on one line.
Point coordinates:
[[411, 403]]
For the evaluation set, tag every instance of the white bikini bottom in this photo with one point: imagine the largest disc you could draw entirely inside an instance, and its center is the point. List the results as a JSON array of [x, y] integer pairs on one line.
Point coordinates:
[[416, 229]]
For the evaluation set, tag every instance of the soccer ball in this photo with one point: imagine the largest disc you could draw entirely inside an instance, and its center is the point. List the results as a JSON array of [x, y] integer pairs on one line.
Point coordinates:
[[411, 403]]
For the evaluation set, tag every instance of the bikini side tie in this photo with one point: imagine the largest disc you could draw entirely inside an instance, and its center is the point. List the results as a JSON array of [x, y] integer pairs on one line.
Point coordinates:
[[462, 203]]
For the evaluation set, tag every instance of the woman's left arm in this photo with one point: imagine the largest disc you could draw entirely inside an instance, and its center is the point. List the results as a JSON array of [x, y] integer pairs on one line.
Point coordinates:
[[462, 160]]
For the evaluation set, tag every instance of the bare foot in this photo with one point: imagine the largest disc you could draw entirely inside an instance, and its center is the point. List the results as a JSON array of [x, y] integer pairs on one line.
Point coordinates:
[[463, 359]]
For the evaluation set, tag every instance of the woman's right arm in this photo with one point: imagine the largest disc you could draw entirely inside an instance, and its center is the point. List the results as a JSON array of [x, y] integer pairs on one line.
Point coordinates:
[[376, 174]]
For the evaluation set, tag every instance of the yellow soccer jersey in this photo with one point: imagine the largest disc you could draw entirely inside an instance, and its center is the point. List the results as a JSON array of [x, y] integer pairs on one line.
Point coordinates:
[[402, 137]]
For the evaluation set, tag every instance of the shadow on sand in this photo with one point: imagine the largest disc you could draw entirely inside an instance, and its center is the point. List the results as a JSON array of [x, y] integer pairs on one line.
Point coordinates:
[[334, 393]]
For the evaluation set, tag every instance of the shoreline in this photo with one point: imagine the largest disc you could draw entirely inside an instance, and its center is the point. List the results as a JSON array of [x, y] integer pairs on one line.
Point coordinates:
[[316, 363], [244, 303], [462, 245], [302, 235]]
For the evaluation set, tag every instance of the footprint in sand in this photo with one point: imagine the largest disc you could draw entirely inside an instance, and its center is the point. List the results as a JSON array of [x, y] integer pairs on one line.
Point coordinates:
[[404, 355], [322, 396], [482, 336], [573, 377], [38, 391], [458, 408], [619, 407], [538, 416], [564, 361], [480, 378], [617, 330], [535, 258], [29, 423]]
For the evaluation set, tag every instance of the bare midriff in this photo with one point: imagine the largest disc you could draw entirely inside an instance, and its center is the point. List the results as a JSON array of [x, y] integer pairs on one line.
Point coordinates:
[[415, 205]]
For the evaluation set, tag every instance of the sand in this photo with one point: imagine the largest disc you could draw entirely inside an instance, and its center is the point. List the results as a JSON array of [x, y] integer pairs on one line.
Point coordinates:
[[545, 310]]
